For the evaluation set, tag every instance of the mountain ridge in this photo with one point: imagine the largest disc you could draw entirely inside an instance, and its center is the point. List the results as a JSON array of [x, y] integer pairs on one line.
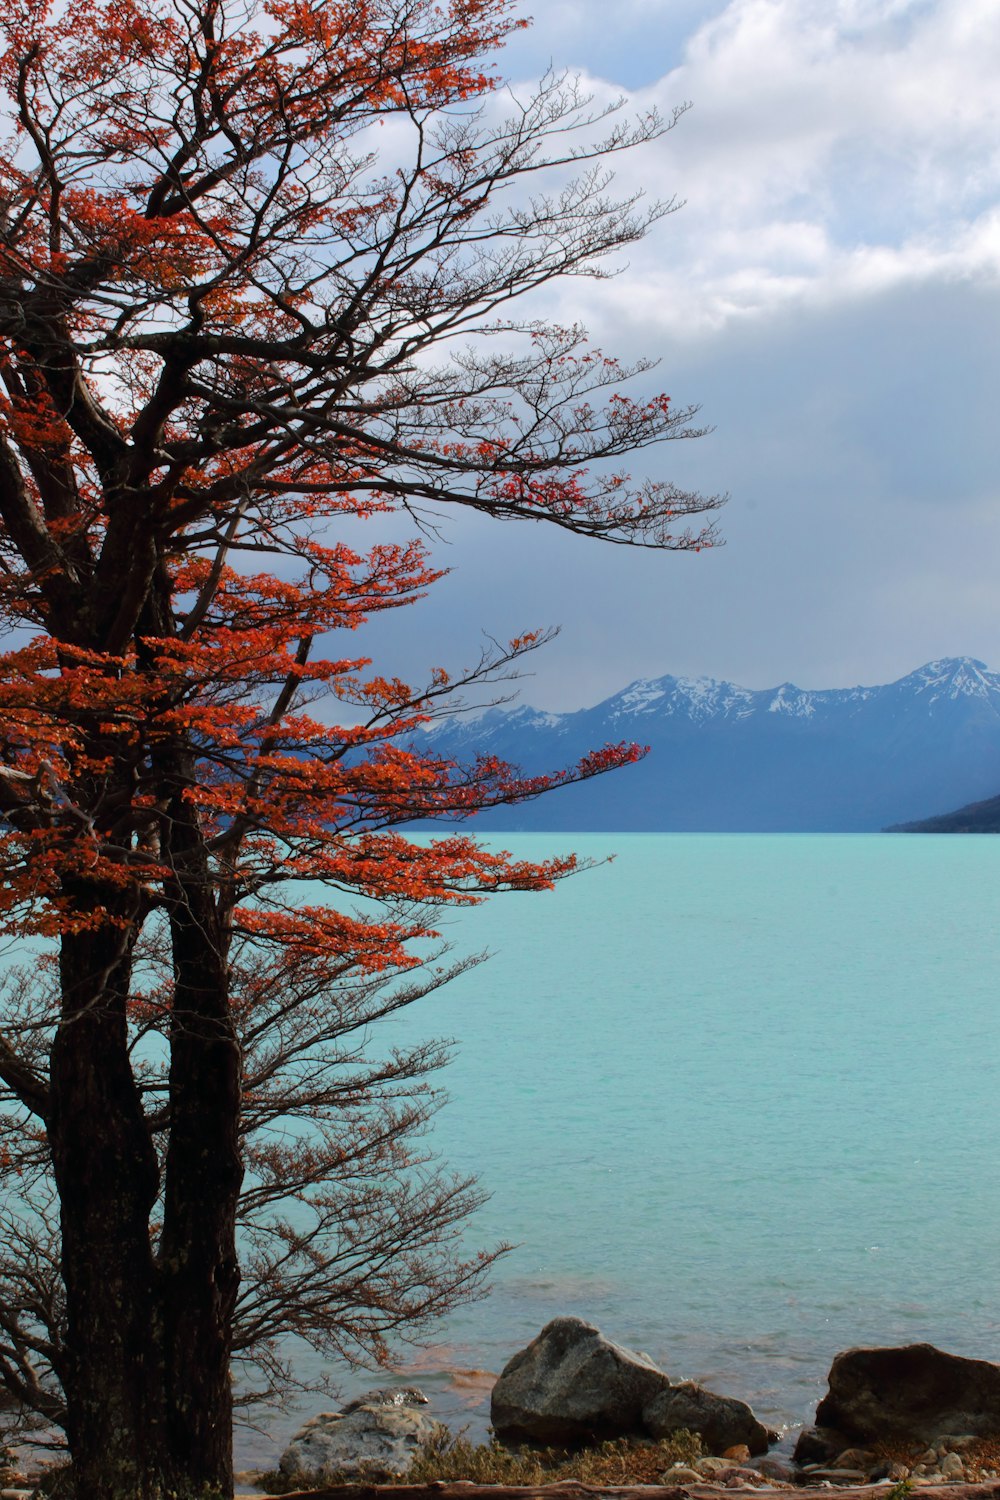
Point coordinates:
[[728, 758]]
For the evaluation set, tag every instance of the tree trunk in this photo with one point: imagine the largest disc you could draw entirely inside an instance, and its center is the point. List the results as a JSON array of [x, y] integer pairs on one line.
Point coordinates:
[[204, 1171], [107, 1176], [148, 1339]]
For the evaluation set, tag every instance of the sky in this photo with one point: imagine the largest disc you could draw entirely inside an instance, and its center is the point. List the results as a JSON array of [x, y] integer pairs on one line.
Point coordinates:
[[829, 295]]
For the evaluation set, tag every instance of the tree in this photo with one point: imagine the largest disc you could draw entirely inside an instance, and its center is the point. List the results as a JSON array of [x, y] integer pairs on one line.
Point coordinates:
[[227, 330], [347, 1232]]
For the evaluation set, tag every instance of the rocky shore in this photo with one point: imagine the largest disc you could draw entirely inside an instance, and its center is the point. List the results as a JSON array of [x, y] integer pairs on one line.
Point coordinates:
[[912, 1416]]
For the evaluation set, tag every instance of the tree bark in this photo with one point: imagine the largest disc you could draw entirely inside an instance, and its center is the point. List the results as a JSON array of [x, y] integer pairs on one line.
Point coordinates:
[[107, 1175], [199, 1268]]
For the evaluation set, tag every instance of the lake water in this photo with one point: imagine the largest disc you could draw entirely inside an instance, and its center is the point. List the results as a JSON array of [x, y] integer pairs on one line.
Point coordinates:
[[737, 1099]]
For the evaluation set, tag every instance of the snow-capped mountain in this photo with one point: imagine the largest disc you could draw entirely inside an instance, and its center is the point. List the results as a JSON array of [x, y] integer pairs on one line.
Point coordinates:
[[723, 757]]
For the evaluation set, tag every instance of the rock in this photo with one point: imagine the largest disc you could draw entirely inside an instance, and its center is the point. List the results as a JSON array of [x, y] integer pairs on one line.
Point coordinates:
[[818, 1445], [374, 1436], [571, 1385], [854, 1458], [713, 1466], [913, 1391], [721, 1422], [952, 1466], [773, 1468], [397, 1395], [721, 1467], [681, 1474]]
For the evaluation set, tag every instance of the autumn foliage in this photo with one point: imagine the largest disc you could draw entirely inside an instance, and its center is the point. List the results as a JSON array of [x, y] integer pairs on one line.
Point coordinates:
[[256, 273]]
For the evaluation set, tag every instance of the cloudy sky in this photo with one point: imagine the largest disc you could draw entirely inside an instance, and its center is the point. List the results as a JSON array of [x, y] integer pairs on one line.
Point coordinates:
[[830, 294]]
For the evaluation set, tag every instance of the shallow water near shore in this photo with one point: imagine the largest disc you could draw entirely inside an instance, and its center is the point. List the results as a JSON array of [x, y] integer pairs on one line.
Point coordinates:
[[737, 1100]]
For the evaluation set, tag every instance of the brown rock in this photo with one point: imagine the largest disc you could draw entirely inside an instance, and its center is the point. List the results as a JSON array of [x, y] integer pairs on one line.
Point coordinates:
[[713, 1466], [773, 1468], [854, 1458], [739, 1453], [913, 1391]]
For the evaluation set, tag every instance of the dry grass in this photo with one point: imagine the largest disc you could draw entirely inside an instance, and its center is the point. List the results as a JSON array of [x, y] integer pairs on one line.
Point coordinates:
[[622, 1461], [448, 1458]]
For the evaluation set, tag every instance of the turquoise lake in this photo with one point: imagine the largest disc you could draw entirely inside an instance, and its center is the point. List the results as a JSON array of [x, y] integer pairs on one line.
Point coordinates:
[[737, 1101]]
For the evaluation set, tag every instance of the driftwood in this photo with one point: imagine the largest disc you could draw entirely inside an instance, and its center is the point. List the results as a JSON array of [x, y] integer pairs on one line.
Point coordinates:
[[572, 1490]]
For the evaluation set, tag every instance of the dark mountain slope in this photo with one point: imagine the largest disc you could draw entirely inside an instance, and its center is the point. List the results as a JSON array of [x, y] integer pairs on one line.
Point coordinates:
[[977, 817]]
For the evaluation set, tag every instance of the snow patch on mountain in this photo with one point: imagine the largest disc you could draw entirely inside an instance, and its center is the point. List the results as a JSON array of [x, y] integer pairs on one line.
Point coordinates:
[[695, 698], [955, 677], [639, 698], [793, 701]]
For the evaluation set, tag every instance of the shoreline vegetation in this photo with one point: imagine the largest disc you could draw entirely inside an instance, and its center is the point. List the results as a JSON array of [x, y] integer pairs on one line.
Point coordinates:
[[575, 1413], [672, 1465], [573, 1409], [461, 1490]]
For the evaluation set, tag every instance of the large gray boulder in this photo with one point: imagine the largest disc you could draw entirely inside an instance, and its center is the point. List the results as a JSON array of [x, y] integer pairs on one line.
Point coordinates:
[[572, 1385], [913, 1391], [374, 1437], [720, 1421]]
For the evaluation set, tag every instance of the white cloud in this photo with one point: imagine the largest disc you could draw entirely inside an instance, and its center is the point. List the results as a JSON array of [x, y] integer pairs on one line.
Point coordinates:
[[829, 295], [836, 148]]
